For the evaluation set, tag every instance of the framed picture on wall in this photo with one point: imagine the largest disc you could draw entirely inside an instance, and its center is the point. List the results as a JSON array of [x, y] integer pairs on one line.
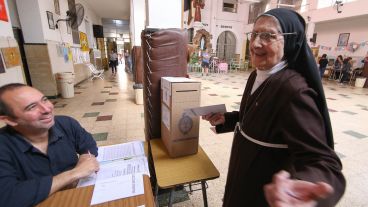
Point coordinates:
[[50, 20], [343, 39], [57, 7]]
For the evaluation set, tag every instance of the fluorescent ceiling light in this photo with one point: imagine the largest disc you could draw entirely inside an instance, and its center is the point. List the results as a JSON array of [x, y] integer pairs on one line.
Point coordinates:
[[286, 5], [248, 1]]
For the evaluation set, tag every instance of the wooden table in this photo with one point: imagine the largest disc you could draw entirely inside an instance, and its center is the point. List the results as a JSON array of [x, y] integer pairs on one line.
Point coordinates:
[[172, 172], [81, 197]]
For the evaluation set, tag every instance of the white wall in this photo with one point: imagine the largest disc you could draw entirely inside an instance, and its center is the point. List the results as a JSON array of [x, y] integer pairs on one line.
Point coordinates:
[[13, 74], [13, 13], [57, 62], [328, 34], [329, 24], [356, 8], [35, 27], [137, 20], [30, 20], [92, 18], [33, 18], [164, 13], [213, 18]]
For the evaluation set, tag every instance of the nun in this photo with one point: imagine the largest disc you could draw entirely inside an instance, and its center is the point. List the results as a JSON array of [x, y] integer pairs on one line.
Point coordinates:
[[283, 149]]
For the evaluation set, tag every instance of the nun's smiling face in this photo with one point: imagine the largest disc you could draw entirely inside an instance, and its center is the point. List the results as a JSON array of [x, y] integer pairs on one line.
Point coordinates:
[[266, 45]]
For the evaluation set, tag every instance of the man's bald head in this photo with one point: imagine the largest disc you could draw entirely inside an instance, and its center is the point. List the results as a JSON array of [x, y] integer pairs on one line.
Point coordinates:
[[6, 110]]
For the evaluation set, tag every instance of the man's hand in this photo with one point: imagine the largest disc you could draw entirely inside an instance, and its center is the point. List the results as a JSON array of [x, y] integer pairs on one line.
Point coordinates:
[[86, 165], [286, 192], [214, 119]]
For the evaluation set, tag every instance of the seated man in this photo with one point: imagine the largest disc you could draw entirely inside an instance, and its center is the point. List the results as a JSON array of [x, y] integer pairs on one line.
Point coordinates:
[[39, 152]]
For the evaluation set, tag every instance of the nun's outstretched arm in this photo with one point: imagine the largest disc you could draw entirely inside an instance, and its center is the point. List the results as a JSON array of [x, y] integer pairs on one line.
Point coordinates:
[[287, 192]]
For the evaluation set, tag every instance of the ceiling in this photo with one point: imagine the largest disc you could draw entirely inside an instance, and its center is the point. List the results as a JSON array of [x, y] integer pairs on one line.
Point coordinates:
[[109, 11]]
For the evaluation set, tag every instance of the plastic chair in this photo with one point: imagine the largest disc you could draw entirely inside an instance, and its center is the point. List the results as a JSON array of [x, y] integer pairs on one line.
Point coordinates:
[[95, 73], [222, 67]]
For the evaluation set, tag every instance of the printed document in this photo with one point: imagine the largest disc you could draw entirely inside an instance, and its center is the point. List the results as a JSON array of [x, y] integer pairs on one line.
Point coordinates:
[[120, 151], [117, 187], [137, 165]]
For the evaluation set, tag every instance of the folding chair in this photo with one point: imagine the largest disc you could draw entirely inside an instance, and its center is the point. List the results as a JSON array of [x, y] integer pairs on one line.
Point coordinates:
[[95, 73]]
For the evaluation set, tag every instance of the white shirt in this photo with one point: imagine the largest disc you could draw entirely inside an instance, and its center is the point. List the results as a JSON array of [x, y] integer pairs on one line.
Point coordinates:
[[262, 75]]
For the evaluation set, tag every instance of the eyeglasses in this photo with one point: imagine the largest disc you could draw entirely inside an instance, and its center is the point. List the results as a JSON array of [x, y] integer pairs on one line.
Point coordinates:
[[265, 36]]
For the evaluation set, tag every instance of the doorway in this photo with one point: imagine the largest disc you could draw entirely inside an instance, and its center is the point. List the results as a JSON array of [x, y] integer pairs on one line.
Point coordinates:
[[226, 44]]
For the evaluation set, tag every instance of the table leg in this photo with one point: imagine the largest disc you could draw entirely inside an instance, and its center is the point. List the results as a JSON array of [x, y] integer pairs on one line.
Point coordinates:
[[204, 193], [171, 196]]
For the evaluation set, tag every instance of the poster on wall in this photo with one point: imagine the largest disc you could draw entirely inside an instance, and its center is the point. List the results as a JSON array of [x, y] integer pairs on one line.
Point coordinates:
[[11, 56], [2, 68], [3, 13], [83, 41]]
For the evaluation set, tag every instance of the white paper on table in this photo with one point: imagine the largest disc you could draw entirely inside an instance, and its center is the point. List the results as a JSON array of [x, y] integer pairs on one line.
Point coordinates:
[[136, 165], [117, 188], [119, 151], [90, 180], [204, 110]]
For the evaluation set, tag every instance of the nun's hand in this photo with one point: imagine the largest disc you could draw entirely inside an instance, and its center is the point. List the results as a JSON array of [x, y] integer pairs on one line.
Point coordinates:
[[214, 118], [286, 192]]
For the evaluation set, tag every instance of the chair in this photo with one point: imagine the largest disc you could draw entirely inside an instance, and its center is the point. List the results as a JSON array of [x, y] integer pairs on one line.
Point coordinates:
[[95, 73], [214, 64], [334, 71], [222, 67], [354, 74], [235, 64]]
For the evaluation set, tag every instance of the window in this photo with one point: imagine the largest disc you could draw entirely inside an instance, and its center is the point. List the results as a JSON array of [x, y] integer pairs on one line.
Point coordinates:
[[229, 7]]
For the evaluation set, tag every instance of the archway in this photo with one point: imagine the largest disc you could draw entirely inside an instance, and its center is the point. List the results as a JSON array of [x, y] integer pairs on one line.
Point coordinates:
[[202, 40], [226, 45]]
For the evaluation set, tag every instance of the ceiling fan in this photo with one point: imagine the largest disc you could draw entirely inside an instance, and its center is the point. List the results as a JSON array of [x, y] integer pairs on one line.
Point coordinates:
[[338, 5]]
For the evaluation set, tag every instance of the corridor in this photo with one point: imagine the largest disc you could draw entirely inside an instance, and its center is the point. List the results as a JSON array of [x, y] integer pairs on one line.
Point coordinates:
[[106, 108]]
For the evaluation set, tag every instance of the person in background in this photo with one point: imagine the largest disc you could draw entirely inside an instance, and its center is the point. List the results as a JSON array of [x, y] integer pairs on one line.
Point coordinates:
[[113, 62], [40, 153], [323, 64], [120, 56], [205, 62], [337, 66], [283, 147], [346, 69], [127, 61]]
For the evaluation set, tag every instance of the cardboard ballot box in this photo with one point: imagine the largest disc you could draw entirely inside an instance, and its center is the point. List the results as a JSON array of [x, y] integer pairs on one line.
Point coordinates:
[[179, 131]]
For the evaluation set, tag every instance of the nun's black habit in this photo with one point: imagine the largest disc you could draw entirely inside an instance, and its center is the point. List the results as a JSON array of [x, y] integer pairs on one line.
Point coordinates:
[[284, 124]]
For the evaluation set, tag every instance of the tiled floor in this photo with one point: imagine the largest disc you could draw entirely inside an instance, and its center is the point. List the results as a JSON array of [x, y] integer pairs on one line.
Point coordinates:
[[106, 108]]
